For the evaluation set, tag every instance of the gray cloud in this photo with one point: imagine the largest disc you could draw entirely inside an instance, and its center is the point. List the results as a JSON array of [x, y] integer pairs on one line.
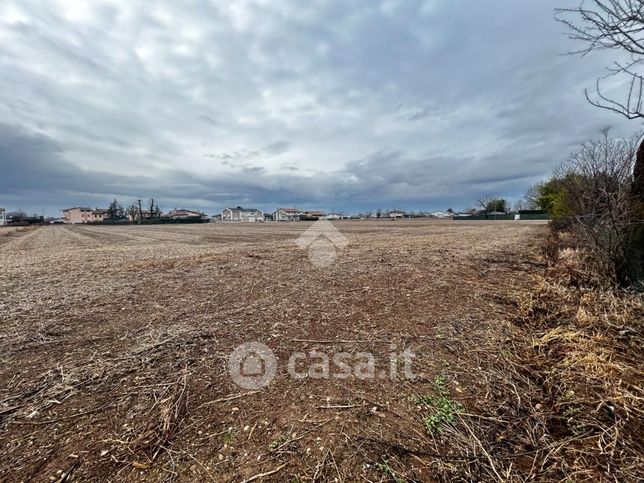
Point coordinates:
[[276, 148], [340, 105]]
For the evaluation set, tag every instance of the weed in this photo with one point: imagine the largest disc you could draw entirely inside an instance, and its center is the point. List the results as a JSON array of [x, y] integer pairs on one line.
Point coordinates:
[[442, 408], [387, 470], [440, 382], [229, 437], [278, 442]]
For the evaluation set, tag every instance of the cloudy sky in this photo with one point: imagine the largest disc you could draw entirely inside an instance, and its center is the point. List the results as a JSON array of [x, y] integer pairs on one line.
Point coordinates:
[[346, 105]]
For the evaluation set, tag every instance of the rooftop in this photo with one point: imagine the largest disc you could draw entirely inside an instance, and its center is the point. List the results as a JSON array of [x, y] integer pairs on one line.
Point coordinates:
[[239, 208]]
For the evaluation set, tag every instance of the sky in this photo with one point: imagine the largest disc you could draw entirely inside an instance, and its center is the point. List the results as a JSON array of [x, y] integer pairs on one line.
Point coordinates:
[[334, 105]]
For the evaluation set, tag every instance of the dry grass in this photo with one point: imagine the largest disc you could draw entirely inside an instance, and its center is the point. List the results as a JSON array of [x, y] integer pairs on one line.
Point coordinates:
[[565, 393], [7, 231], [121, 336], [586, 355]]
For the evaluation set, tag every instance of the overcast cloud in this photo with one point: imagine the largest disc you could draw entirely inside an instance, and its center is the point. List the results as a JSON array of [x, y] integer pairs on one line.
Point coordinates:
[[344, 105]]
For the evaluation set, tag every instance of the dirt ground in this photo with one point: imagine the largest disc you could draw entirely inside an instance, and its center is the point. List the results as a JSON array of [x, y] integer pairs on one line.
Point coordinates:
[[114, 344]]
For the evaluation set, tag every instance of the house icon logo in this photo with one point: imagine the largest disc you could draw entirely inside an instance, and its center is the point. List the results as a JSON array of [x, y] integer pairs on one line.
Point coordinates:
[[323, 241], [252, 365]]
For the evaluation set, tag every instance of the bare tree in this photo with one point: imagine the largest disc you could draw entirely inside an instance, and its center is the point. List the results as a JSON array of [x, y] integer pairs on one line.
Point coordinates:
[[595, 186], [133, 212], [611, 25], [490, 203], [615, 25], [531, 197], [151, 208], [523, 204], [484, 203]]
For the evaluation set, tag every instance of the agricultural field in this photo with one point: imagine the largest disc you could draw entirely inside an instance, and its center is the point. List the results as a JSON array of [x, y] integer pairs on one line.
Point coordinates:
[[115, 344], [6, 231]]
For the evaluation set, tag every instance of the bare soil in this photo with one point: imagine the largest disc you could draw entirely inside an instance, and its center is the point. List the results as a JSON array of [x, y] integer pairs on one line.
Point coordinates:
[[114, 343]]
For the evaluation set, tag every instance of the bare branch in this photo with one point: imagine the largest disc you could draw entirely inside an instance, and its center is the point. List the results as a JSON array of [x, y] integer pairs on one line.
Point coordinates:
[[611, 24]]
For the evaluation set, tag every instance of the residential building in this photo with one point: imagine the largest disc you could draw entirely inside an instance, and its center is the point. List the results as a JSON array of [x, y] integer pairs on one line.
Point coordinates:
[[82, 214], [144, 214], [3, 216], [396, 214], [288, 214], [315, 214], [242, 214], [181, 214], [440, 214], [335, 216]]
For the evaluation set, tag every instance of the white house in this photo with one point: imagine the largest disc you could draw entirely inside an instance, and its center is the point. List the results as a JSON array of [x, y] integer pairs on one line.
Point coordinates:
[[335, 216], [396, 214], [440, 214], [242, 214], [288, 214]]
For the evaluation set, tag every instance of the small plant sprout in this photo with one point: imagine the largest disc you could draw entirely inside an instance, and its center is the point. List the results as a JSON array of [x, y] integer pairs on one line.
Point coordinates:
[[442, 409], [386, 469]]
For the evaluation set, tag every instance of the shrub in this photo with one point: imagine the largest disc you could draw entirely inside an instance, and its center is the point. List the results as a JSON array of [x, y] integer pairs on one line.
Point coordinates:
[[590, 196]]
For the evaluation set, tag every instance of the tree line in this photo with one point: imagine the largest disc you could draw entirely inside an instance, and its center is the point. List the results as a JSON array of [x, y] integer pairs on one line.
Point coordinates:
[[136, 211]]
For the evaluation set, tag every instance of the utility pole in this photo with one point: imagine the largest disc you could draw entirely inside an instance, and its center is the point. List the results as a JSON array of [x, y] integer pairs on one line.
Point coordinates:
[[140, 212]]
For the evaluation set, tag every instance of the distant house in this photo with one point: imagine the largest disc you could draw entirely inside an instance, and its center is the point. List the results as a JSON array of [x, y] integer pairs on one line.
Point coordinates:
[[288, 214], [81, 214], [335, 216], [3, 216], [315, 214], [440, 214], [145, 214], [178, 214], [396, 214], [242, 214]]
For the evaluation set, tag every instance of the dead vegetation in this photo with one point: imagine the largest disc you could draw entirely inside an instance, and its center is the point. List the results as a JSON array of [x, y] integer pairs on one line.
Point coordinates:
[[7, 231], [114, 361], [586, 355], [564, 398]]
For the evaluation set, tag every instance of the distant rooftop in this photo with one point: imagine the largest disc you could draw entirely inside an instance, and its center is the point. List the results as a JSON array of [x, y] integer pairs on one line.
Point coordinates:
[[239, 208], [291, 210]]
